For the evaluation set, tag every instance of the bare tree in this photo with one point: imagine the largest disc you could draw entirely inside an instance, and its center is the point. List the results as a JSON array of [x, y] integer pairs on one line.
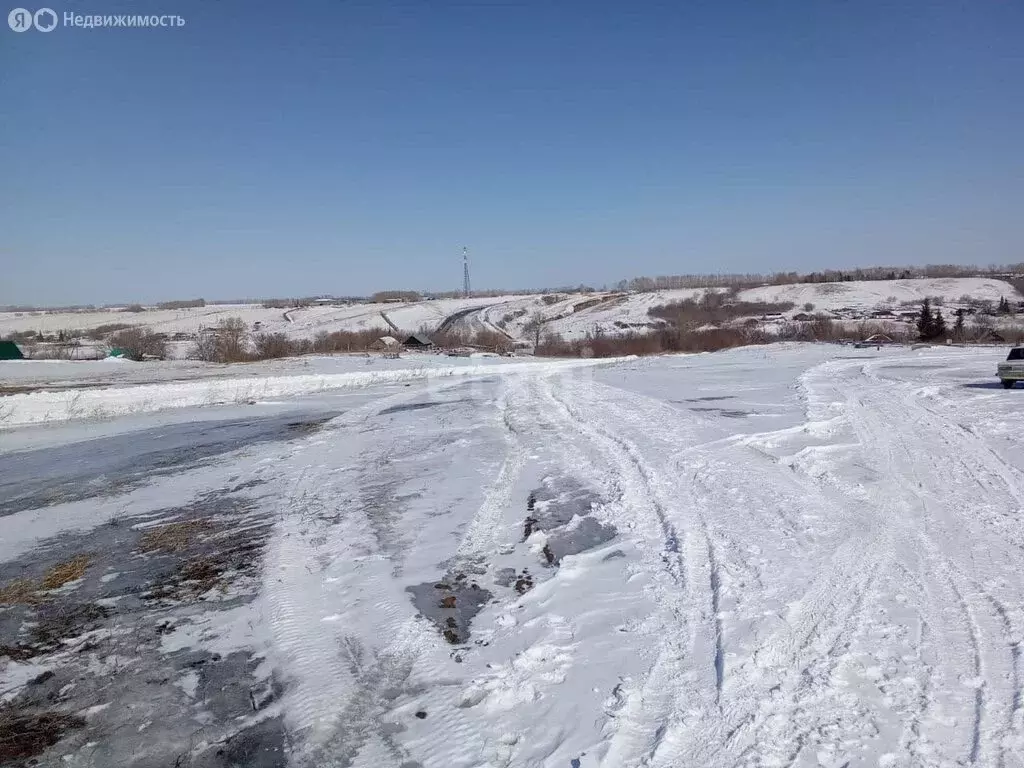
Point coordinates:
[[139, 344], [274, 345], [535, 325], [224, 343]]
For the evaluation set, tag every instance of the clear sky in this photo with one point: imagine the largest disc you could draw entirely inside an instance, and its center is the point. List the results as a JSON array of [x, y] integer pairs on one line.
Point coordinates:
[[345, 146]]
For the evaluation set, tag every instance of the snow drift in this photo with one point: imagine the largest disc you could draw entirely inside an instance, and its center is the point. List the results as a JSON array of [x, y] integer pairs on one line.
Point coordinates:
[[72, 404]]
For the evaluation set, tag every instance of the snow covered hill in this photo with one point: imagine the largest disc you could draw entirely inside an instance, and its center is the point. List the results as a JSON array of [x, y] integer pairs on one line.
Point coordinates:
[[571, 315], [873, 293]]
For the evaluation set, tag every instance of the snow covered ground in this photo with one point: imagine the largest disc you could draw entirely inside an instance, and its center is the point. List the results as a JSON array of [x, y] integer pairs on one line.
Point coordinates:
[[795, 555]]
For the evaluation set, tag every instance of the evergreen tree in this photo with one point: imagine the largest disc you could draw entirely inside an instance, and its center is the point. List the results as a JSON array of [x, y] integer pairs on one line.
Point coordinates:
[[938, 325], [925, 321], [958, 326]]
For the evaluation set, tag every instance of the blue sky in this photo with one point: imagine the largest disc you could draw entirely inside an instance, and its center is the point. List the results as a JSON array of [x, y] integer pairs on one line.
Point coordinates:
[[278, 149]]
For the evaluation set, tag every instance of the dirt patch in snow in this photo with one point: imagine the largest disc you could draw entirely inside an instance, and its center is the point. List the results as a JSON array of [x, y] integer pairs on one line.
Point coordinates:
[[412, 407], [728, 413], [25, 736], [561, 509], [450, 604], [112, 618]]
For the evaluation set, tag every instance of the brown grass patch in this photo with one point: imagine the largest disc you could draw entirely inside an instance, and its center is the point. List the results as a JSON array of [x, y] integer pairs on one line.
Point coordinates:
[[61, 574], [204, 572], [26, 591], [212, 570], [24, 736], [173, 537], [20, 592]]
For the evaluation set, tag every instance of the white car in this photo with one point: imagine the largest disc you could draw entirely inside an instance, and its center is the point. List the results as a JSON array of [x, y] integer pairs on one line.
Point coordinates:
[[1012, 370]]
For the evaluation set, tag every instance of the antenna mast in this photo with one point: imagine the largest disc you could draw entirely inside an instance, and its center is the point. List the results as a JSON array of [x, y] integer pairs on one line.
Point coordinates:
[[465, 273]]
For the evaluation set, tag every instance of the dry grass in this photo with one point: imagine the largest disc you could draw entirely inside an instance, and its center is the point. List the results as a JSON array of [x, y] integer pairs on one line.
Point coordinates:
[[173, 537], [23, 736], [27, 591], [204, 571], [20, 592], [197, 575], [61, 574]]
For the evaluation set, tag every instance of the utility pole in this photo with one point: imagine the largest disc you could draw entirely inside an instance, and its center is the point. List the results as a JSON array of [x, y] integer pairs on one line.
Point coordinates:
[[465, 273]]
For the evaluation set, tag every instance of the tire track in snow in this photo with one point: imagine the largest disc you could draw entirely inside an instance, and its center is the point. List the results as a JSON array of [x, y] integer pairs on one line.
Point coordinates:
[[677, 569], [826, 613], [485, 533], [324, 549], [628, 459], [932, 496], [978, 667], [704, 737]]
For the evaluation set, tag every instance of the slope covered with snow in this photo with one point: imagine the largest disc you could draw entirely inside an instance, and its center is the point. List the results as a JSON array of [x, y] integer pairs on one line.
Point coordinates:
[[570, 315], [302, 322], [624, 314], [872, 293]]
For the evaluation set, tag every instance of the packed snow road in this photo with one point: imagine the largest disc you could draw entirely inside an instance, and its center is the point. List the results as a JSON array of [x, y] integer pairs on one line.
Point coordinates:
[[776, 556]]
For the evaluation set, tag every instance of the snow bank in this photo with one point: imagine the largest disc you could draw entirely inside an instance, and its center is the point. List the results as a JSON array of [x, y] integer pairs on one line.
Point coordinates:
[[72, 404]]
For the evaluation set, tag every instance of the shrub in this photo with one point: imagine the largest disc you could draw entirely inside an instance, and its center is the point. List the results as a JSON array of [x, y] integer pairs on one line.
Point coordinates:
[[483, 339], [100, 332], [187, 304], [138, 344], [666, 340], [135, 308], [224, 343], [345, 341], [382, 296], [274, 345], [20, 336], [713, 309]]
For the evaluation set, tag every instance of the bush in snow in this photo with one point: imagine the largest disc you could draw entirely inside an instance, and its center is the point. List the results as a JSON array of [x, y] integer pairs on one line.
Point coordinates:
[[226, 342], [138, 344], [269, 346]]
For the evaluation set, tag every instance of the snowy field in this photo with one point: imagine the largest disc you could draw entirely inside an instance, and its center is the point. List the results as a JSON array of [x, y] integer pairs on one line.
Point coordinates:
[[571, 315], [793, 555]]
